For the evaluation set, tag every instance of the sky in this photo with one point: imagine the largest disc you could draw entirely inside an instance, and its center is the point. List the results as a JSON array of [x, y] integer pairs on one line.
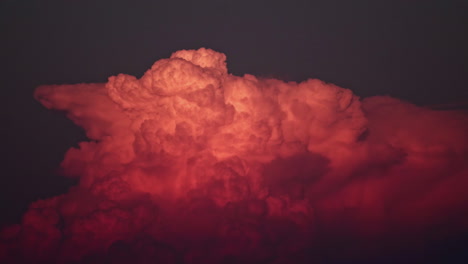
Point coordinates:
[[415, 51]]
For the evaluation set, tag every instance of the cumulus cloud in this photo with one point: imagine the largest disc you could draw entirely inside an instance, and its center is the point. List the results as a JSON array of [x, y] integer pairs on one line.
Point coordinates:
[[191, 164]]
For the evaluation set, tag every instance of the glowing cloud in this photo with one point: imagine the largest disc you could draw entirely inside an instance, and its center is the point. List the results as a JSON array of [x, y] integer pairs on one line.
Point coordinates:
[[190, 164]]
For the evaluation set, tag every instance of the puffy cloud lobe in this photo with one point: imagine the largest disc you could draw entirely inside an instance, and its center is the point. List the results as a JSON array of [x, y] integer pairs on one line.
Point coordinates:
[[192, 164]]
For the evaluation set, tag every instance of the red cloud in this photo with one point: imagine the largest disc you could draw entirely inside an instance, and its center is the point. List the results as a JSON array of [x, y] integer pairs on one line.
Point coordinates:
[[190, 164]]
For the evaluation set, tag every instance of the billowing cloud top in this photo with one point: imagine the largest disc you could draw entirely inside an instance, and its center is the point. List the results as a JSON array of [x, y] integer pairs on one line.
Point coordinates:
[[254, 168]]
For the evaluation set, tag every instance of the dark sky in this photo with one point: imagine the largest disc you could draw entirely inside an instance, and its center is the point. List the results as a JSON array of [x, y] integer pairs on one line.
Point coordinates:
[[413, 50]]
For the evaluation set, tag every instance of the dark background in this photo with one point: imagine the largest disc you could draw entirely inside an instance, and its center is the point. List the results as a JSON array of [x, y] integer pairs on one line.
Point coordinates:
[[413, 50]]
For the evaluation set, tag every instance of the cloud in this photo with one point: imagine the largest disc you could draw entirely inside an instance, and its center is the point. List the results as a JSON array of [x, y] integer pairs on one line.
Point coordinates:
[[191, 164]]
